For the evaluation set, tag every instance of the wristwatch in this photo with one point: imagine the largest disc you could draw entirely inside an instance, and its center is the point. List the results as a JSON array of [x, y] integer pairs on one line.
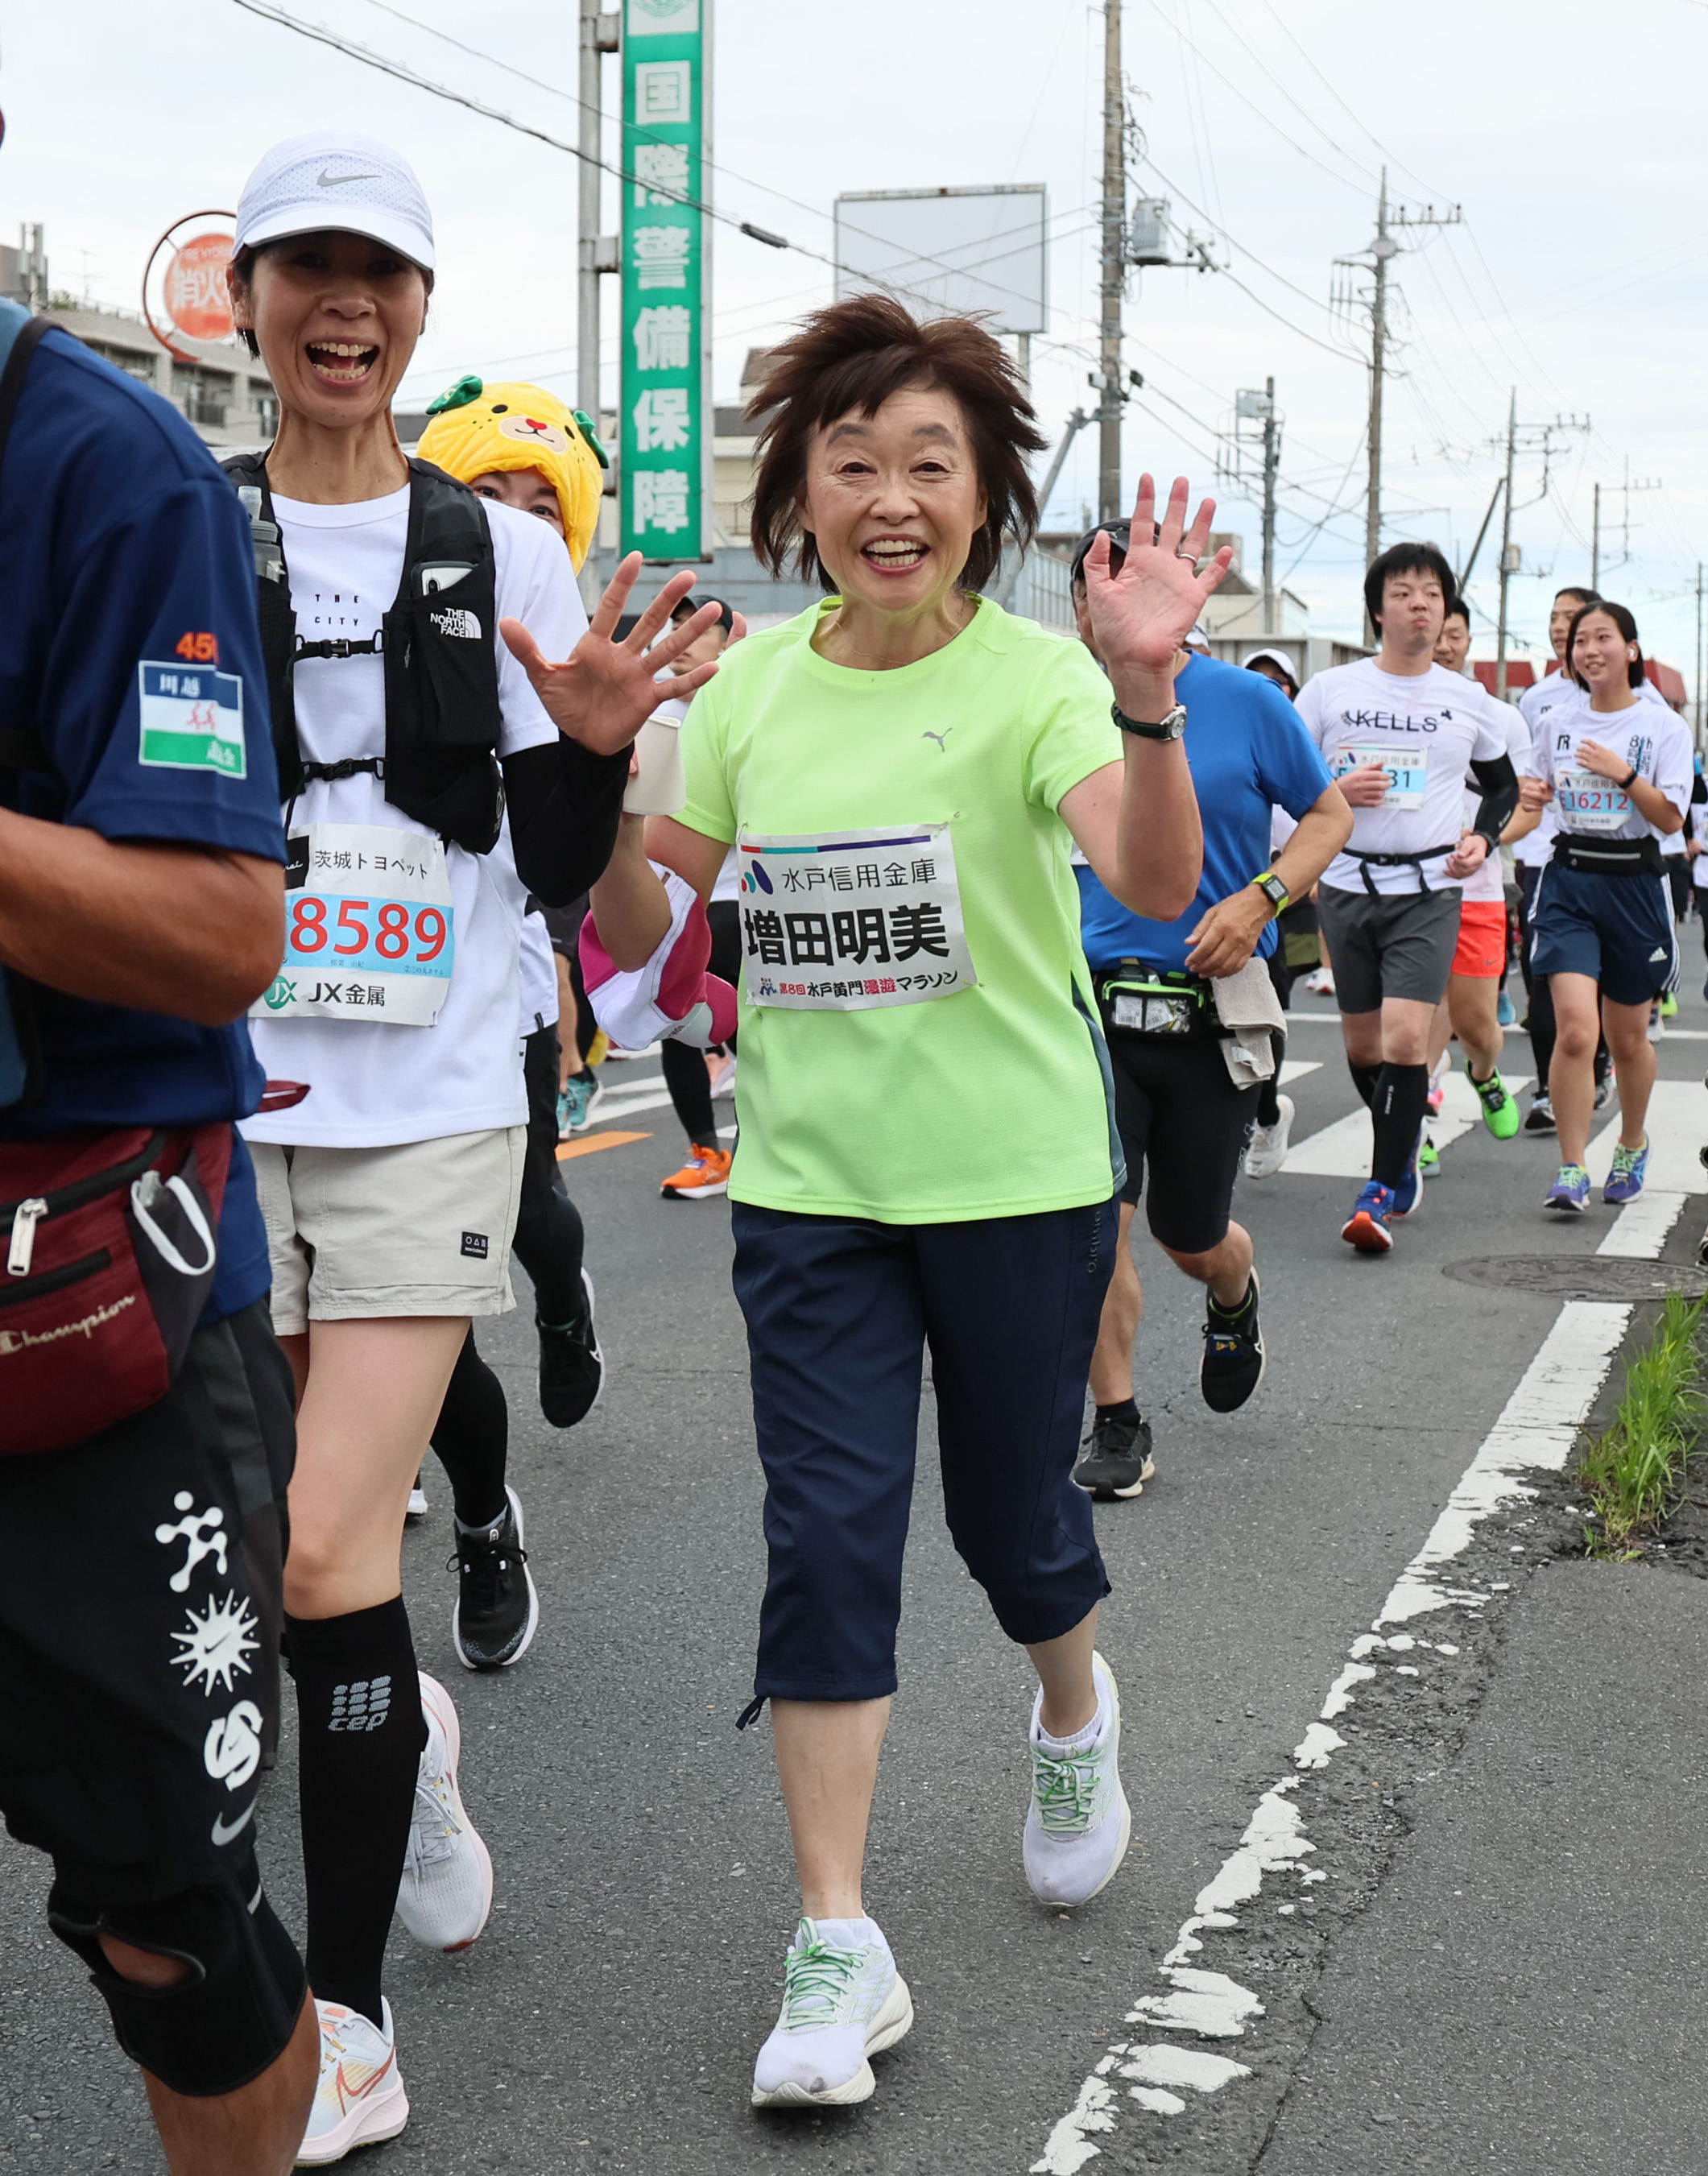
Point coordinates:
[[1274, 890], [1167, 729]]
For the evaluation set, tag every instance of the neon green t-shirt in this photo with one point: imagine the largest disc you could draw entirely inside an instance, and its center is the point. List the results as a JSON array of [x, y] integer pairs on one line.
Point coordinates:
[[992, 1100]]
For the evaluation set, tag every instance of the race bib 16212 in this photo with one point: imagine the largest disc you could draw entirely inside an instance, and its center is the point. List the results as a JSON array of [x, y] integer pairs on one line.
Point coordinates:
[[849, 920]]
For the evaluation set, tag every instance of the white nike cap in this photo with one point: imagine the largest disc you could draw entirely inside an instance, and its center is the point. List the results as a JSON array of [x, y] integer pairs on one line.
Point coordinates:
[[333, 178]]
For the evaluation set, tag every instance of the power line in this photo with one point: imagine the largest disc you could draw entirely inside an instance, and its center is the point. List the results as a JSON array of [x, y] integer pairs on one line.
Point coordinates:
[[1346, 109]]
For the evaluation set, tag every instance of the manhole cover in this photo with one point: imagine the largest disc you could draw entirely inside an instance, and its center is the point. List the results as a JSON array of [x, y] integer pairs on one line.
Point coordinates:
[[1597, 1276]]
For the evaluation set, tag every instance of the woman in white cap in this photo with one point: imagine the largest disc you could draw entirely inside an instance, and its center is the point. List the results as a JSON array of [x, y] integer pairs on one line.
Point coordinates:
[[389, 1159]]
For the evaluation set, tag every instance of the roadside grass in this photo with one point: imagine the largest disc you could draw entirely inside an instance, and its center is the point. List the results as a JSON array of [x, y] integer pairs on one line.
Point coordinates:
[[1635, 1471]]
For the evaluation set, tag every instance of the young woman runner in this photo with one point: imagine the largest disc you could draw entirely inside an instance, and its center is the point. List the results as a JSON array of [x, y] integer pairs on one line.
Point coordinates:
[[1619, 772], [903, 772], [389, 1185]]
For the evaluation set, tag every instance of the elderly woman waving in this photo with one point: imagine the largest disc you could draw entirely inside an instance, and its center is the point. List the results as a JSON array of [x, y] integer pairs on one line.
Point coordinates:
[[903, 772]]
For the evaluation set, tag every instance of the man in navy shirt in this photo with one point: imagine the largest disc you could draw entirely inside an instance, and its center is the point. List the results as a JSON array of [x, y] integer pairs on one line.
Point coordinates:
[[141, 893], [1177, 1105]]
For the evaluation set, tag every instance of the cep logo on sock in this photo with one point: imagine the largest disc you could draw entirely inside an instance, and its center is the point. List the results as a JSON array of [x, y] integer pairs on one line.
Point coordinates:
[[362, 1706], [475, 1244]]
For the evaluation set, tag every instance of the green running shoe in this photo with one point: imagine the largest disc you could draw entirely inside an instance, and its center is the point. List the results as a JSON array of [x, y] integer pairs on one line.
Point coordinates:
[[1500, 1111], [1428, 1160]]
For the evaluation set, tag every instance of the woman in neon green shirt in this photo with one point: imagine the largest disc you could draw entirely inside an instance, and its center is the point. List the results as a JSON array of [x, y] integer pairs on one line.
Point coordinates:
[[904, 772]]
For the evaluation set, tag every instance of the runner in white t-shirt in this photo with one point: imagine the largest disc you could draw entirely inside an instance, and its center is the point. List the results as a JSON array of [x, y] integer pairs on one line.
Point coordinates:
[[1470, 1008], [1401, 734], [389, 1159], [1619, 772]]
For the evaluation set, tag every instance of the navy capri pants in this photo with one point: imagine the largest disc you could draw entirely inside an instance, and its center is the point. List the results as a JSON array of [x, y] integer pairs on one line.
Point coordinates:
[[840, 1312]]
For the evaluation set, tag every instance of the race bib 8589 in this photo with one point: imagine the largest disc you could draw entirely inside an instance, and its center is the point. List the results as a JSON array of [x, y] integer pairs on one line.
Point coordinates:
[[369, 928], [849, 920]]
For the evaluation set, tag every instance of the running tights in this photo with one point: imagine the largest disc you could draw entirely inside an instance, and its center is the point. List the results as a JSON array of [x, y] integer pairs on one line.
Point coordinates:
[[360, 1723], [684, 1067], [1268, 1092], [1399, 1099], [471, 1437]]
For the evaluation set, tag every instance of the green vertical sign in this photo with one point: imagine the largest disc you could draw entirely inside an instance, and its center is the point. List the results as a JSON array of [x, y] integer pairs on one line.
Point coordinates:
[[666, 365]]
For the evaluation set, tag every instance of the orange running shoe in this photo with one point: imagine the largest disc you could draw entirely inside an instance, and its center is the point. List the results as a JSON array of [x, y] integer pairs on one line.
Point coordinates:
[[705, 1173]]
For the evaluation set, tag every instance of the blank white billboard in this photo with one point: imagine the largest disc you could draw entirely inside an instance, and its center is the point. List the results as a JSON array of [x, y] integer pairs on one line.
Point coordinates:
[[950, 252]]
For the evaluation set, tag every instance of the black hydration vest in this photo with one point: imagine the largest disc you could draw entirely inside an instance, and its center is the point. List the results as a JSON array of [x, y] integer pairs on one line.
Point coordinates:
[[439, 643]]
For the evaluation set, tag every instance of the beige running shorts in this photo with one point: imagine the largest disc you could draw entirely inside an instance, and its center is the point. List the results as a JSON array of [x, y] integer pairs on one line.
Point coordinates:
[[421, 1228]]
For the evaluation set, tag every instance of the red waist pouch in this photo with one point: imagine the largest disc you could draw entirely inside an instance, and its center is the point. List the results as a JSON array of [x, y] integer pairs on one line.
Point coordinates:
[[110, 1245]]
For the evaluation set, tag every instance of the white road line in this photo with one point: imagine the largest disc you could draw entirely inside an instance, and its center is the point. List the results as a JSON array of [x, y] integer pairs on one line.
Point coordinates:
[[1678, 1127], [1535, 1433], [1295, 1069], [1341, 1150]]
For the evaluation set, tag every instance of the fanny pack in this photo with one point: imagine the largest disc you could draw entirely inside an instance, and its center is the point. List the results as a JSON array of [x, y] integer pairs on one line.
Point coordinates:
[[1159, 1003], [110, 1253], [1608, 857], [1367, 862]]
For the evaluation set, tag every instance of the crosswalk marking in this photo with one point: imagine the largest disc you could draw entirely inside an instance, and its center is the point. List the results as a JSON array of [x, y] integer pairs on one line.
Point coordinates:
[[1295, 1069]]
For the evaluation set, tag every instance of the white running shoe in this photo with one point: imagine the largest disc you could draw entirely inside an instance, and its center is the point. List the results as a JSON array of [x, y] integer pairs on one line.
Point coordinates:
[[446, 1893], [843, 2002], [1320, 982], [1078, 1825], [1267, 1150], [359, 2098], [418, 1506]]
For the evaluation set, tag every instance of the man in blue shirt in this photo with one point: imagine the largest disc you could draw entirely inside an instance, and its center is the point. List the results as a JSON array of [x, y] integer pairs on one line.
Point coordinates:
[[141, 913], [1177, 1105]]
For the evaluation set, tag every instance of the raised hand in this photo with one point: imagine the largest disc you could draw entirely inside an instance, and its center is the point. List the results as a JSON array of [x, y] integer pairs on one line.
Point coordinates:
[[605, 690], [1141, 617]]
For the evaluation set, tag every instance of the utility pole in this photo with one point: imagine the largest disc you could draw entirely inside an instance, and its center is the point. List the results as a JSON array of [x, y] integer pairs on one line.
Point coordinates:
[[1596, 546], [1114, 251], [1381, 250], [1508, 558], [1375, 261]]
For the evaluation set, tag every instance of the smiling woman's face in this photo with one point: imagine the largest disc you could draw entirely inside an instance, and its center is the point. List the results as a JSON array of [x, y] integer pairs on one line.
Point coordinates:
[[894, 501], [337, 317]]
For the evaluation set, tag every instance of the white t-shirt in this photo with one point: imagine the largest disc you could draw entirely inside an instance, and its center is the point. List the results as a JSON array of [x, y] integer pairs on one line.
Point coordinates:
[[374, 1084], [1650, 736], [539, 966], [1489, 882], [1428, 730]]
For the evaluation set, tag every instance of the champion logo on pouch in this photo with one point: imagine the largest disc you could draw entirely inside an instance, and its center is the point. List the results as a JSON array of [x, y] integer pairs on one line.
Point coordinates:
[[200, 1529], [19, 1341], [362, 1705], [476, 1245], [231, 1752], [217, 1643], [453, 620]]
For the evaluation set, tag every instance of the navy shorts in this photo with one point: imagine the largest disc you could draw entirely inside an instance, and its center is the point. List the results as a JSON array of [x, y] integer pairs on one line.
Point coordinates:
[[840, 1312], [1616, 929]]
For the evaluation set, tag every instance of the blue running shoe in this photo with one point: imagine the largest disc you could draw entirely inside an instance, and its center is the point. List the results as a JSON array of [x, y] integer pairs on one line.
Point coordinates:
[[1408, 1193], [577, 1100], [1570, 1191], [1504, 1012], [1625, 1180], [1367, 1228]]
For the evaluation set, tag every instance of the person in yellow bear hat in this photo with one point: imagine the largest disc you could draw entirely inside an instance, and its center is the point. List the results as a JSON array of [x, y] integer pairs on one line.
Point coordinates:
[[521, 445]]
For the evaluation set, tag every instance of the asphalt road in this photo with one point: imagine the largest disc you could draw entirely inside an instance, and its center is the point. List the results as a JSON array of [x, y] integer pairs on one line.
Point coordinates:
[[609, 2018]]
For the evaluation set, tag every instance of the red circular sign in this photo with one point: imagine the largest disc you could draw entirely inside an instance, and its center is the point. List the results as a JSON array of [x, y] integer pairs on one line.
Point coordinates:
[[195, 288]]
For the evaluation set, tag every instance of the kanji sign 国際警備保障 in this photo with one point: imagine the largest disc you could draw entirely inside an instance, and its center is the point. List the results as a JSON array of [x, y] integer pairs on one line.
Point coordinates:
[[665, 436]]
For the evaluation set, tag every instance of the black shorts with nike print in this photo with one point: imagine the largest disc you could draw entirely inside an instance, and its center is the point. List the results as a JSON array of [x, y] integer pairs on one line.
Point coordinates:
[[139, 1618]]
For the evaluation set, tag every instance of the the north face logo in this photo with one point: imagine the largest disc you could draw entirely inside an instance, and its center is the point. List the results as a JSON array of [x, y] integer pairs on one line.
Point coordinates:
[[475, 1244], [453, 620], [364, 1705]]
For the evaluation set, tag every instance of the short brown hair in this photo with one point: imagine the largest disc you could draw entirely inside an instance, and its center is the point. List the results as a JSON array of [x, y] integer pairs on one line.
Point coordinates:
[[852, 355]]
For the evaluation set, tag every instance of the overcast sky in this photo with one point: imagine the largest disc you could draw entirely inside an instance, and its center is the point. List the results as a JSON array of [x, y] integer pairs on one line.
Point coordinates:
[[1578, 275]]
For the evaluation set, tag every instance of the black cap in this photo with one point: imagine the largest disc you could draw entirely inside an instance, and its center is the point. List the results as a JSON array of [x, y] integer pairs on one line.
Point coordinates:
[[693, 602], [1119, 531]]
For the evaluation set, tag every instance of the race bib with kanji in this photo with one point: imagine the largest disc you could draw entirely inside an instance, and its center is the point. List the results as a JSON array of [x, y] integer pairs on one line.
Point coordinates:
[[1589, 803], [846, 921], [1407, 770], [369, 930]]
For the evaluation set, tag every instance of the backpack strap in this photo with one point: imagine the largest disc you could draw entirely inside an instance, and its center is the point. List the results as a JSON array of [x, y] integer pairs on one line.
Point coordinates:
[[20, 335]]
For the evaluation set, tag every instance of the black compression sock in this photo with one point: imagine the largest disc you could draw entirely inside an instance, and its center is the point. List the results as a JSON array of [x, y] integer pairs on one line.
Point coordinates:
[[361, 1731], [1401, 1097], [1126, 1409], [1364, 1079], [471, 1437], [1268, 1092]]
